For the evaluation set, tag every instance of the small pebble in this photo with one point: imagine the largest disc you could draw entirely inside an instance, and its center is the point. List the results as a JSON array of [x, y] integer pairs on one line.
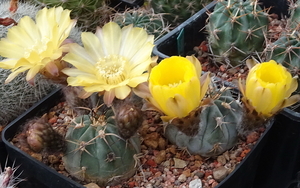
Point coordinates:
[[196, 183], [179, 163], [220, 173]]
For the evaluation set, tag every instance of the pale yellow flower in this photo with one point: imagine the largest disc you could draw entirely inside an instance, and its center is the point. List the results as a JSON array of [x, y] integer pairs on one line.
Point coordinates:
[[113, 60], [175, 86], [34, 46], [268, 88]]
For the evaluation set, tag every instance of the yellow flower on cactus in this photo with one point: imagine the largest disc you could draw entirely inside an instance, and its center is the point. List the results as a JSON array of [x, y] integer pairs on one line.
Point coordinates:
[[176, 87], [36, 46], [113, 60], [268, 88]]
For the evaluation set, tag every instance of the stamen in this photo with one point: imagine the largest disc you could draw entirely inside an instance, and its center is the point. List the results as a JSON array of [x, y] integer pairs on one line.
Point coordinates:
[[112, 68]]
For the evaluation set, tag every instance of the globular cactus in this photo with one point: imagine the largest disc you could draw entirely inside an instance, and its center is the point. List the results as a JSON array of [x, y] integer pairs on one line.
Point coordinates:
[[41, 136], [286, 51], [95, 151], [216, 129], [177, 11], [294, 19], [236, 29], [89, 13], [153, 23]]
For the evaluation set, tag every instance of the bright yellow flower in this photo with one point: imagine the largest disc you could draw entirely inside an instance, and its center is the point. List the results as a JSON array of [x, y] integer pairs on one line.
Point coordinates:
[[268, 88], [113, 60], [176, 87], [35, 46]]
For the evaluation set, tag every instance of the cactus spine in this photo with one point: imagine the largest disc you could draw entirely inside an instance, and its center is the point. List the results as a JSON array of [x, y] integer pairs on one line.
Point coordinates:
[[96, 152], [286, 50], [147, 19], [217, 128], [236, 29], [177, 11], [90, 13]]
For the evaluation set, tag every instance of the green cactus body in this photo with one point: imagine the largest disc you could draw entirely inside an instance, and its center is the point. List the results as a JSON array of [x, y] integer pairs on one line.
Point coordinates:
[[236, 29], [96, 153], [147, 19], [89, 13], [294, 19], [286, 51], [177, 11], [217, 129]]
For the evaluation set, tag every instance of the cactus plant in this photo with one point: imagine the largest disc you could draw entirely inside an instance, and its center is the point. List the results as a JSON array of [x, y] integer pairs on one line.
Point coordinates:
[[147, 19], [90, 13], [96, 152], [217, 128], [286, 50], [41, 136], [294, 19], [236, 29], [177, 11]]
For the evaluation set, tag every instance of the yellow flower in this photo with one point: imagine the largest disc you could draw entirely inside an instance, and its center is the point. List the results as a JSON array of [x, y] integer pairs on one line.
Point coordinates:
[[113, 60], [36, 45], [176, 87], [268, 88]]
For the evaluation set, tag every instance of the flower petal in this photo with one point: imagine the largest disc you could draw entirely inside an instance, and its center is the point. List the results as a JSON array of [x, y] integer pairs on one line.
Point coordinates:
[[122, 92]]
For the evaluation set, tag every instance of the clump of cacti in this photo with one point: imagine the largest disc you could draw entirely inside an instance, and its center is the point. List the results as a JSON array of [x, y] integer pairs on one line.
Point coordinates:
[[96, 152], [153, 23], [216, 132], [236, 29], [177, 11], [89, 13]]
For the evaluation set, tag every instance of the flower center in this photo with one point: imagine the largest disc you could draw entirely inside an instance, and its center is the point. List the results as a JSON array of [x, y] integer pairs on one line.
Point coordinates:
[[175, 84], [112, 68], [38, 47]]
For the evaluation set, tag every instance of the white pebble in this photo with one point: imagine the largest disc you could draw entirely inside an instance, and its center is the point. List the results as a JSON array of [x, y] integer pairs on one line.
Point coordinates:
[[196, 183]]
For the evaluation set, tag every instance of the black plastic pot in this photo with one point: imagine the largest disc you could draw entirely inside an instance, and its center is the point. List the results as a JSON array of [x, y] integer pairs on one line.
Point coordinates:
[[192, 32], [279, 165], [37, 174], [43, 176]]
